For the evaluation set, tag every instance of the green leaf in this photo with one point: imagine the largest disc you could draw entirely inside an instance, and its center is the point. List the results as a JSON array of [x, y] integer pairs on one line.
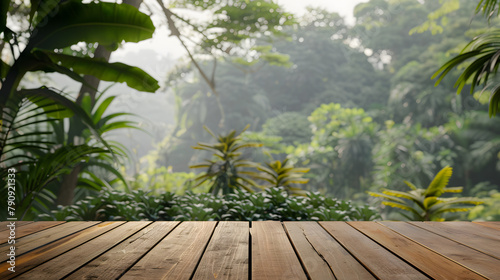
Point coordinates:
[[41, 9], [494, 102], [45, 92], [401, 206], [440, 181], [51, 108], [453, 190], [113, 72], [400, 194], [104, 23], [411, 185], [392, 198], [430, 201], [103, 106]]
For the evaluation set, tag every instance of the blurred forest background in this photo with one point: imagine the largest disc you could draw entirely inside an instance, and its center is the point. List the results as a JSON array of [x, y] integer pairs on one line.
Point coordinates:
[[350, 105]]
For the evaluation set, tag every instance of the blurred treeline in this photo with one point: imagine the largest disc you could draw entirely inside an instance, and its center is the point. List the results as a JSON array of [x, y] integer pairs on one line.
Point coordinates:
[[355, 103]]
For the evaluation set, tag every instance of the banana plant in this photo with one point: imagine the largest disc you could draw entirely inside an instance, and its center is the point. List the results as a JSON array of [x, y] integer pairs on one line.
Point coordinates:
[[427, 204], [55, 25], [225, 172], [280, 174]]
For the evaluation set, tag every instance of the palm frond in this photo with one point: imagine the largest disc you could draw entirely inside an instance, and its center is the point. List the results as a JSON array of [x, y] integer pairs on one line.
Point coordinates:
[[439, 183]]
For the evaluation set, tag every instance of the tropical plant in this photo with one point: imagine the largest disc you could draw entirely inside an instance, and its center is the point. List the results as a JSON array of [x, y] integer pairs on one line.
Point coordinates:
[[27, 145], [427, 204], [225, 172], [271, 204], [76, 132], [51, 28], [484, 50], [280, 174], [66, 24]]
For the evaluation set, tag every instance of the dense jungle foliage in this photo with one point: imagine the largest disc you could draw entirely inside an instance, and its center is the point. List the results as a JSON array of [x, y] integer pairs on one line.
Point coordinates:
[[277, 116]]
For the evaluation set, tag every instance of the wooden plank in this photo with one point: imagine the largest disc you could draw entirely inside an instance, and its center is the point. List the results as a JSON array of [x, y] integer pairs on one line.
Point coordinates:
[[431, 263], [54, 249], [226, 256], [176, 256], [380, 262], [41, 238], [62, 265], [273, 256], [322, 256], [468, 257], [116, 261], [484, 239], [3, 225], [31, 228], [494, 225]]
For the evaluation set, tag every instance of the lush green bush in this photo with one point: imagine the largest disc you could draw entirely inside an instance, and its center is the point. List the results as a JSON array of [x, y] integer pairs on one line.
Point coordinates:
[[271, 204]]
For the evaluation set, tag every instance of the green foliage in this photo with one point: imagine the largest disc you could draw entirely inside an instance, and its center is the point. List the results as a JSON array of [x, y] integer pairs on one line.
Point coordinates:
[[106, 23], [95, 173], [233, 21], [271, 204], [441, 13], [225, 171], [33, 138], [280, 174], [73, 22], [162, 179], [292, 127], [488, 7], [409, 152], [339, 153], [483, 50], [489, 211], [427, 204], [28, 145], [101, 69]]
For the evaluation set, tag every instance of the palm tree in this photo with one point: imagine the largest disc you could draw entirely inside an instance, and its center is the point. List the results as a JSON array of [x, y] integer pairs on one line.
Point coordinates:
[[225, 172]]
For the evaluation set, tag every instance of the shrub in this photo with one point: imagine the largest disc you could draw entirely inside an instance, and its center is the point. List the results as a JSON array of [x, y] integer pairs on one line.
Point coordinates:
[[271, 204]]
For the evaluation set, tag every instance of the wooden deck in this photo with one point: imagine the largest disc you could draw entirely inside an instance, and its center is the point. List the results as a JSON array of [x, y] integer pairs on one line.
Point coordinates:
[[260, 250]]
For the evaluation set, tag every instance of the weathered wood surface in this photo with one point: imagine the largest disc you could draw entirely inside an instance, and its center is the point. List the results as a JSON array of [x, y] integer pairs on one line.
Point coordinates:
[[257, 250]]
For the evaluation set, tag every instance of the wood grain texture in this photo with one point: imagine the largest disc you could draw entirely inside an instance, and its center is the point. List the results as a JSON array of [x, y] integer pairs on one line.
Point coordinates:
[[226, 256], [484, 239], [64, 264], [54, 249], [374, 257], [468, 257], [322, 256], [29, 229], [176, 256], [494, 225], [119, 259], [273, 256], [44, 237], [431, 263], [3, 225]]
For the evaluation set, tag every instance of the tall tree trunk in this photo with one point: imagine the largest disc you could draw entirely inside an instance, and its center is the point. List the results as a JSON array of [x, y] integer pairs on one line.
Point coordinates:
[[69, 181]]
